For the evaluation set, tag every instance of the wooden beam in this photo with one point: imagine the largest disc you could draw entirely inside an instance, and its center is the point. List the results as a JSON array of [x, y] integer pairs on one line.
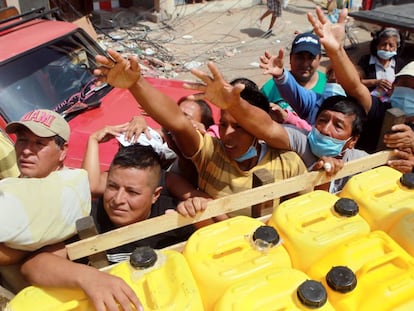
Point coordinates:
[[86, 228], [219, 206], [392, 116], [262, 177]]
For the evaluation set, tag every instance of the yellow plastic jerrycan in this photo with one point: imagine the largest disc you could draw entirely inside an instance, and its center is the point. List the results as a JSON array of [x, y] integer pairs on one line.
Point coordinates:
[[279, 289], [403, 233], [232, 251], [369, 273], [162, 280], [383, 194], [313, 224]]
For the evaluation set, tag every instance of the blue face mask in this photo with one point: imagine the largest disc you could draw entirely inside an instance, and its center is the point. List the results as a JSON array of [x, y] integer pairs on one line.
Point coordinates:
[[403, 98], [386, 55], [322, 145], [332, 89], [249, 154]]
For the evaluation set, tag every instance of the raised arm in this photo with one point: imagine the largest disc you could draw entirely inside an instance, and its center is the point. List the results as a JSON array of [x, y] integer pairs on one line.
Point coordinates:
[[91, 163], [127, 74], [331, 37], [252, 119], [304, 102]]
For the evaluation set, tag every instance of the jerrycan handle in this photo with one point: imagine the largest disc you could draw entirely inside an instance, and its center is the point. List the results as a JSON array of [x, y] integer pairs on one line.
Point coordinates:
[[376, 263]]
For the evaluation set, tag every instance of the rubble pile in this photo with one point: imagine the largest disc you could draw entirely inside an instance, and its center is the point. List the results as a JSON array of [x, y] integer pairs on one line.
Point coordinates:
[[130, 34]]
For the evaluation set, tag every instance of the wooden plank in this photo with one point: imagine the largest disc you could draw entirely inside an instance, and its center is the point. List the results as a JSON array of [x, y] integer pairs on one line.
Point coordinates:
[[219, 206], [262, 177], [86, 228], [5, 297], [392, 116]]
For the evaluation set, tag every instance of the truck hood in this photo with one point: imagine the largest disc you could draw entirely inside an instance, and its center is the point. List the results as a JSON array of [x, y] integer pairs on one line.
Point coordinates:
[[117, 107]]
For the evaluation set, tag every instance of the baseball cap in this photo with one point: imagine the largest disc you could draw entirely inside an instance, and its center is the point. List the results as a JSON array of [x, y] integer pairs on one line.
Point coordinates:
[[43, 123], [407, 70], [306, 42]]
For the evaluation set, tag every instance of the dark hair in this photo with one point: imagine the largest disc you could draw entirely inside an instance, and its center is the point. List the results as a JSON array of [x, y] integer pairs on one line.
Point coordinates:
[[206, 112], [137, 156], [347, 105], [246, 82], [252, 94], [59, 141], [386, 32]]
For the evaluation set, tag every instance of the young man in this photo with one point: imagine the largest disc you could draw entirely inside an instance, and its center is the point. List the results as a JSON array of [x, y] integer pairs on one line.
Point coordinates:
[[225, 165], [305, 57], [330, 142], [131, 190]]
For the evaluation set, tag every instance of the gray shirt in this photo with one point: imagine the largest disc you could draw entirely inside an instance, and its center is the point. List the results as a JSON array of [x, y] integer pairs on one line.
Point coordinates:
[[298, 140]]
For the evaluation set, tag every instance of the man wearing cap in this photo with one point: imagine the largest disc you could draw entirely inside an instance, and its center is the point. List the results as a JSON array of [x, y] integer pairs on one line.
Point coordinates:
[[305, 57], [41, 146], [41, 142]]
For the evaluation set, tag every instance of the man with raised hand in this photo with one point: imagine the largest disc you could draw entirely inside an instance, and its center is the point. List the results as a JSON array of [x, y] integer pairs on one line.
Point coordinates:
[[331, 36], [226, 164]]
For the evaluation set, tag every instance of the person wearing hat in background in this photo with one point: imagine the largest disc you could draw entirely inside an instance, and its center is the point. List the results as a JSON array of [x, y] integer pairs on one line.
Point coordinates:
[[41, 142], [305, 103], [305, 57]]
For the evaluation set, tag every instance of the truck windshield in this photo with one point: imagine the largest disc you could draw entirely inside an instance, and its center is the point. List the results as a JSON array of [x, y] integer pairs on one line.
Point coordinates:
[[47, 76]]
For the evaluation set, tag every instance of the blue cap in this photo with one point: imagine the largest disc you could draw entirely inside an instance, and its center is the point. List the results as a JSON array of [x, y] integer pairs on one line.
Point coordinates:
[[306, 42]]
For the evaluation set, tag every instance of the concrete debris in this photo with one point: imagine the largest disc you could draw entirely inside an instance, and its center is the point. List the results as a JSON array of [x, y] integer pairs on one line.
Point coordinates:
[[193, 64], [131, 34]]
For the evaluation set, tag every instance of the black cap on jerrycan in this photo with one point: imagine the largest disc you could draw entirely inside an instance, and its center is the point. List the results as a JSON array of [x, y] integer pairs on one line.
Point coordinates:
[[341, 279], [346, 207], [143, 257], [312, 294], [407, 179], [267, 234]]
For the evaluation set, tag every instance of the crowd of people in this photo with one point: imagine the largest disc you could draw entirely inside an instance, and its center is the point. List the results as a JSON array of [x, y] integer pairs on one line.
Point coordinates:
[[302, 119]]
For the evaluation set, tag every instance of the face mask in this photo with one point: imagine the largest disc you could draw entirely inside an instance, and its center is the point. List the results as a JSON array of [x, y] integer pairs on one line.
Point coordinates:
[[322, 145], [249, 154], [332, 89], [403, 98], [386, 55]]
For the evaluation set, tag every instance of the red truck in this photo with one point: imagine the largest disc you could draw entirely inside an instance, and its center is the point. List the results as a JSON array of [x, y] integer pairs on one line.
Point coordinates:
[[47, 63]]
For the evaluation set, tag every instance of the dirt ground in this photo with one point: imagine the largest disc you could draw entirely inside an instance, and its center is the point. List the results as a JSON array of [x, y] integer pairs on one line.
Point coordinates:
[[234, 41]]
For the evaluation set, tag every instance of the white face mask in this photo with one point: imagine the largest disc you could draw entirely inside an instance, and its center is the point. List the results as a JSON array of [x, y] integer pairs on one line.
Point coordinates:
[[386, 55]]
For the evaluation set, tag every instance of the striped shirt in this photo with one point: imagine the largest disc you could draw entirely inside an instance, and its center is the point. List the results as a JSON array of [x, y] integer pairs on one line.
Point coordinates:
[[219, 176]]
